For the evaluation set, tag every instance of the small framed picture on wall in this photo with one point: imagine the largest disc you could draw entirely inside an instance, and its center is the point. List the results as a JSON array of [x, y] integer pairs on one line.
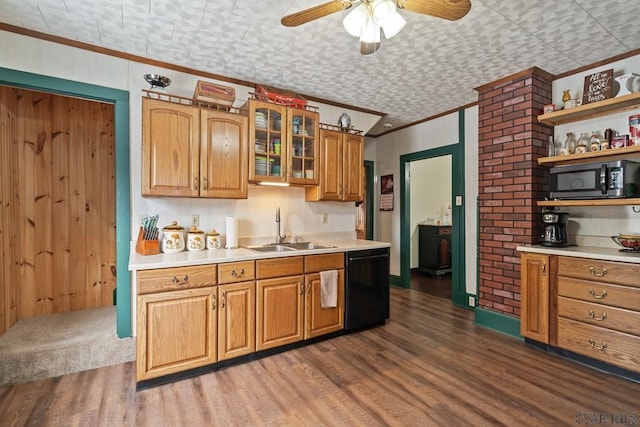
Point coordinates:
[[386, 193]]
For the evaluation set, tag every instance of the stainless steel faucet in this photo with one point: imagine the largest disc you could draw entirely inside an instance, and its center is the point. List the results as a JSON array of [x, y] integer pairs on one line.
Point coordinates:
[[279, 237]]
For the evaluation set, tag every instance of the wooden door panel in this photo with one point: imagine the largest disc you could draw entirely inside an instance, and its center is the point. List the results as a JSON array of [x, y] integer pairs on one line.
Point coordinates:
[[331, 165], [279, 308], [224, 155], [236, 323], [319, 320], [353, 168], [170, 149]]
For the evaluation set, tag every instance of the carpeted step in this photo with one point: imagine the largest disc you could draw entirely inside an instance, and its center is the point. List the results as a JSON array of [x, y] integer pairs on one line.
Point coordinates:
[[58, 344]]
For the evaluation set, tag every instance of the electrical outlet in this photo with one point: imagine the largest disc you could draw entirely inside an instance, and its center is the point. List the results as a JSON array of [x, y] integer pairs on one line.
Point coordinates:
[[195, 220], [324, 218], [472, 301]]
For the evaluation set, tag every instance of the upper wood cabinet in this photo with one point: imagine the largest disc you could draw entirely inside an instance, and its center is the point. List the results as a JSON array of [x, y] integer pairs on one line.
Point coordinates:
[[535, 296], [193, 152], [283, 144], [341, 167]]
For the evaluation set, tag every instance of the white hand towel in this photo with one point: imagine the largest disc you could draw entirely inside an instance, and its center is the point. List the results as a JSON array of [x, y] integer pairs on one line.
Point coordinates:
[[329, 288]]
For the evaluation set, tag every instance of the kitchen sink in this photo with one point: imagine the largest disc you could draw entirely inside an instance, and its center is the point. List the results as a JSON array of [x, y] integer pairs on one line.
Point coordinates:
[[270, 248], [308, 245], [284, 247]]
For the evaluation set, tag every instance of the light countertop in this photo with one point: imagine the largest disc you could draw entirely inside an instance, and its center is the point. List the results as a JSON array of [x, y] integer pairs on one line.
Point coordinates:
[[594, 252], [217, 256]]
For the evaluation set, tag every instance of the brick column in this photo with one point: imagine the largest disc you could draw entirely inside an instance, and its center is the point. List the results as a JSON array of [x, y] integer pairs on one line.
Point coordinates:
[[510, 139]]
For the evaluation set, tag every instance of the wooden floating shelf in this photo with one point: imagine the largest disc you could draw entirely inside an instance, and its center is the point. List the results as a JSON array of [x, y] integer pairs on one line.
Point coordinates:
[[632, 152], [592, 110], [590, 202]]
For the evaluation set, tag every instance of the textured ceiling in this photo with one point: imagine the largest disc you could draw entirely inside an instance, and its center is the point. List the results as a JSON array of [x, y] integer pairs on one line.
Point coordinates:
[[432, 66]]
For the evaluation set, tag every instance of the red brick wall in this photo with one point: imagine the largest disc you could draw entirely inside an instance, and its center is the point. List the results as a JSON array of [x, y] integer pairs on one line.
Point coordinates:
[[510, 139]]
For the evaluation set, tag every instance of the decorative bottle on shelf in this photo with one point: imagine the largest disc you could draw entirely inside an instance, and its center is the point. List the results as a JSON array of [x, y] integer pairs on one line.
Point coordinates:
[[595, 141], [566, 96], [583, 143], [569, 146], [551, 147]]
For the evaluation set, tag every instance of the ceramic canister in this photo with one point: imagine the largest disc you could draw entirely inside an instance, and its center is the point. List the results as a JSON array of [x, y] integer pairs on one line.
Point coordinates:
[[195, 239], [213, 240], [173, 238]]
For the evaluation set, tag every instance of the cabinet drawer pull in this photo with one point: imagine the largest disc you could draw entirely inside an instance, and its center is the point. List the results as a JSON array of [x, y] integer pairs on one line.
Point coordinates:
[[600, 347], [598, 274], [593, 294], [177, 281], [234, 274], [593, 316]]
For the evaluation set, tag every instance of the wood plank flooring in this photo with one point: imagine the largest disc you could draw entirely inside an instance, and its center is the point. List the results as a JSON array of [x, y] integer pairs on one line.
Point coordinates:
[[429, 366]]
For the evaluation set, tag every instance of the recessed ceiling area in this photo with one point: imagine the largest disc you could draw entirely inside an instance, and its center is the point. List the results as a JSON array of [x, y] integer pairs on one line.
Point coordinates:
[[432, 65]]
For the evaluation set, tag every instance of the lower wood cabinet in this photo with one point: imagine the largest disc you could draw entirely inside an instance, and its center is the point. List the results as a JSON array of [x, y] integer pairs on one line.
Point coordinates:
[[190, 317], [236, 319], [280, 316], [534, 294], [586, 306], [176, 331]]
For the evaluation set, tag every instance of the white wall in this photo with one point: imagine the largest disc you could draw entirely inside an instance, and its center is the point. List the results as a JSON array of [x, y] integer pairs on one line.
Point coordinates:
[[594, 225], [430, 194], [256, 214]]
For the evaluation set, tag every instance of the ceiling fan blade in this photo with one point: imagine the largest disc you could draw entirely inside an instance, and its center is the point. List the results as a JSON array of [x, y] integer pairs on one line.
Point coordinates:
[[451, 10], [368, 48], [313, 13]]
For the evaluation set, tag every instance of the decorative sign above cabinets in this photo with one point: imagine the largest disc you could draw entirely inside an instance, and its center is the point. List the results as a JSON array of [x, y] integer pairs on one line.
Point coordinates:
[[598, 86]]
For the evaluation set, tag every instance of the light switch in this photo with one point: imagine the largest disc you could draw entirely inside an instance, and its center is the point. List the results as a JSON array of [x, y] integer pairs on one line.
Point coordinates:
[[458, 200]]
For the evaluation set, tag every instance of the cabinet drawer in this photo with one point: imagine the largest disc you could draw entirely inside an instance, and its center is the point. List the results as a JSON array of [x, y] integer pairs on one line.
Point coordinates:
[[601, 293], [317, 263], [236, 272], [279, 267], [616, 348], [620, 273], [169, 279], [600, 315]]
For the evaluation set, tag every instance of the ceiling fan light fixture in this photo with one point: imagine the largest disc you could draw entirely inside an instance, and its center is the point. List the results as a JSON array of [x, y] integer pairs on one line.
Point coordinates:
[[393, 25], [355, 20], [382, 10], [370, 32]]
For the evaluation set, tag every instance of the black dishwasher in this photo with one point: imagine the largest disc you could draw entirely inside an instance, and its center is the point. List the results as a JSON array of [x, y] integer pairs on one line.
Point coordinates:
[[367, 288]]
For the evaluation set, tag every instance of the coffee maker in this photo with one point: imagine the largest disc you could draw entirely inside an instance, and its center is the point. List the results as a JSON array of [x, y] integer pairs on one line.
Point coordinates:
[[555, 229]]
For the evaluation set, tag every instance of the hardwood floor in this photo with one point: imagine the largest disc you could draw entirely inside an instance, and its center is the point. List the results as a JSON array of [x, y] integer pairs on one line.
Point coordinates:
[[437, 286], [429, 365]]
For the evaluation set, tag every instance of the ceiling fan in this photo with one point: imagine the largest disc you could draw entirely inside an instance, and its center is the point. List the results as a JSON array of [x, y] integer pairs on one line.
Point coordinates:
[[370, 16]]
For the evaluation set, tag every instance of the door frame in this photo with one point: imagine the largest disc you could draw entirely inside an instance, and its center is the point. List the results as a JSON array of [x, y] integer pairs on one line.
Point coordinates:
[[458, 271], [120, 101]]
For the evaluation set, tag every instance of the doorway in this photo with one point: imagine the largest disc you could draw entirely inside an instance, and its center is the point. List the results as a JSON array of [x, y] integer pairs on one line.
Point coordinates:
[[58, 213], [120, 101], [455, 151]]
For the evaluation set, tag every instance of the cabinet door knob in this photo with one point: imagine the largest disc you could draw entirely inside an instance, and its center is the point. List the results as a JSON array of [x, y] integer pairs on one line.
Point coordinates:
[[222, 299], [204, 183], [301, 288], [544, 268], [213, 302], [195, 183], [601, 273]]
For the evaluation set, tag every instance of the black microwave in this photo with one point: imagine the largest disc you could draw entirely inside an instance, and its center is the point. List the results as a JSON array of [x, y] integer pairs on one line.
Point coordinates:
[[616, 179]]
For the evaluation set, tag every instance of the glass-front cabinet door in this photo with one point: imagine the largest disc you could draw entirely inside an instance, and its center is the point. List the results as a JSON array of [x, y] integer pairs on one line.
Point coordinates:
[[303, 127], [283, 144], [268, 143]]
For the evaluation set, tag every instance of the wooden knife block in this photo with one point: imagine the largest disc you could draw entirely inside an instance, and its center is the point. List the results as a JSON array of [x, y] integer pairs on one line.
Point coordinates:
[[147, 247]]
